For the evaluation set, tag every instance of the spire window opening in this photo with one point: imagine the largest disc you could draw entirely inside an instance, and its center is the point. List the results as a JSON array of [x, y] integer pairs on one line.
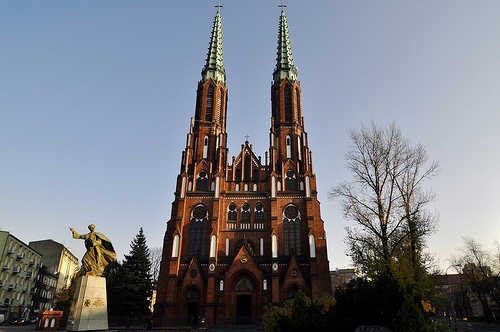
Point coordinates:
[[296, 105], [219, 106], [277, 106], [197, 114], [210, 102], [288, 104]]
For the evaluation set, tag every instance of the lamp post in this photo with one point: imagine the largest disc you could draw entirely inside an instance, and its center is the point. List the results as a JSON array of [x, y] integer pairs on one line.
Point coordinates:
[[452, 306]]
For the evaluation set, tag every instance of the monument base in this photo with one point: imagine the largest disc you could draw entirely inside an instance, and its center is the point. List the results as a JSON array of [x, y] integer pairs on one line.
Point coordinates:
[[89, 311]]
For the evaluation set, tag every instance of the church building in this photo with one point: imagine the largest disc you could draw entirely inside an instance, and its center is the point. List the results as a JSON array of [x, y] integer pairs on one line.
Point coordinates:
[[245, 232]]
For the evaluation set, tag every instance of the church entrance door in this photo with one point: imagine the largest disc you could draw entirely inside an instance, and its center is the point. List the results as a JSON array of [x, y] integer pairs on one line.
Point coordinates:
[[192, 313], [243, 309]]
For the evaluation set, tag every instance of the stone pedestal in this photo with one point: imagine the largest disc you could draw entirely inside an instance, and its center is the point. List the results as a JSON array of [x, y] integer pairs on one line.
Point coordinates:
[[89, 311]]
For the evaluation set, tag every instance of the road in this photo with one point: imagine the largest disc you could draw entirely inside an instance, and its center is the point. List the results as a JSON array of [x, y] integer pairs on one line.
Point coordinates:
[[461, 327]]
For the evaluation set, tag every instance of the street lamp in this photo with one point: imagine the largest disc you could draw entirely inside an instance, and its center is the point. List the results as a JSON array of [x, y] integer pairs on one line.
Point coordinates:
[[449, 294]]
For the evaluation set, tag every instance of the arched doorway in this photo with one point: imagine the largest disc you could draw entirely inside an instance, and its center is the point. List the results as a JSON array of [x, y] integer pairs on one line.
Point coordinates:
[[243, 309], [192, 299], [244, 292], [192, 313]]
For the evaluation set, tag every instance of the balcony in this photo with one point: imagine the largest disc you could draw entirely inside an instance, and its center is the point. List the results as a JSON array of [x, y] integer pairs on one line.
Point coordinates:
[[10, 251], [17, 269], [11, 287], [5, 266]]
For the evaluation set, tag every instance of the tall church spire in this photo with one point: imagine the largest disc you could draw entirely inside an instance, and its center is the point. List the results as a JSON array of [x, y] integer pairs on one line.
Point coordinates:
[[214, 67], [284, 60]]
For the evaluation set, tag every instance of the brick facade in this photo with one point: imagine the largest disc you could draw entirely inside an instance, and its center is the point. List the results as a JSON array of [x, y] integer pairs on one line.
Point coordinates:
[[244, 233]]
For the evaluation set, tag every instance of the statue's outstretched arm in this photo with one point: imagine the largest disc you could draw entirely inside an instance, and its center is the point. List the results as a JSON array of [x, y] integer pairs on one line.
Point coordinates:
[[75, 234]]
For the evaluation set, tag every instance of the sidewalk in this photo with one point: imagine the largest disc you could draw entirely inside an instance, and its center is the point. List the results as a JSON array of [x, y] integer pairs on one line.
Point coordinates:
[[475, 326]]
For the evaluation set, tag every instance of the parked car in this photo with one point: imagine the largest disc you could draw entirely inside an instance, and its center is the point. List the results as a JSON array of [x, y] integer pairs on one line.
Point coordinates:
[[20, 321]]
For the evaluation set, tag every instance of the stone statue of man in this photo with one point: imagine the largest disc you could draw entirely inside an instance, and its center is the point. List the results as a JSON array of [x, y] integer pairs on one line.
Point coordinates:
[[100, 252]]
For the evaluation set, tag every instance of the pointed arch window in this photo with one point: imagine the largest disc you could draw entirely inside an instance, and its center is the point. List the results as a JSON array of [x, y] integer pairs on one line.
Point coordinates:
[[291, 229], [277, 111], [202, 181], [231, 213], [299, 148], [274, 246], [245, 213], [210, 103], [248, 164], [290, 181], [243, 285], [312, 246], [238, 175], [198, 231], [288, 104], [205, 147], [259, 212], [255, 175], [192, 293], [175, 246], [288, 142], [213, 245], [197, 114], [293, 291]]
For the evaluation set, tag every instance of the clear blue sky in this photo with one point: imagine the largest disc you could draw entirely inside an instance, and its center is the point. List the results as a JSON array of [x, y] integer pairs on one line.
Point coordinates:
[[96, 99]]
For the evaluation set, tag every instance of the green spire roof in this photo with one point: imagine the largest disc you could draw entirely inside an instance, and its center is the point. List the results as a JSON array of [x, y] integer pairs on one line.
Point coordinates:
[[284, 60], [214, 68]]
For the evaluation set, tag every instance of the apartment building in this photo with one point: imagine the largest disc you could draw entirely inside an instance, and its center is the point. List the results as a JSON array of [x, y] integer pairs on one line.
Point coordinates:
[[58, 260], [18, 274]]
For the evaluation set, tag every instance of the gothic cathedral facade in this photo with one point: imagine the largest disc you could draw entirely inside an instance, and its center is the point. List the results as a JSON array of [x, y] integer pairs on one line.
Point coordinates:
[[244, 233]]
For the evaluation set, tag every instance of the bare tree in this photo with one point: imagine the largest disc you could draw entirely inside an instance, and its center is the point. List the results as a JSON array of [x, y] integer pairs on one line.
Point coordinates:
[[155, 258], [386, 200], [479, 270]]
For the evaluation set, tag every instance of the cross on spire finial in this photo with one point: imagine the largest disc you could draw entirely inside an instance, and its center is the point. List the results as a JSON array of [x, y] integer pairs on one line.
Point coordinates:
[[247, 137], [219, 6], [282, 6]]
